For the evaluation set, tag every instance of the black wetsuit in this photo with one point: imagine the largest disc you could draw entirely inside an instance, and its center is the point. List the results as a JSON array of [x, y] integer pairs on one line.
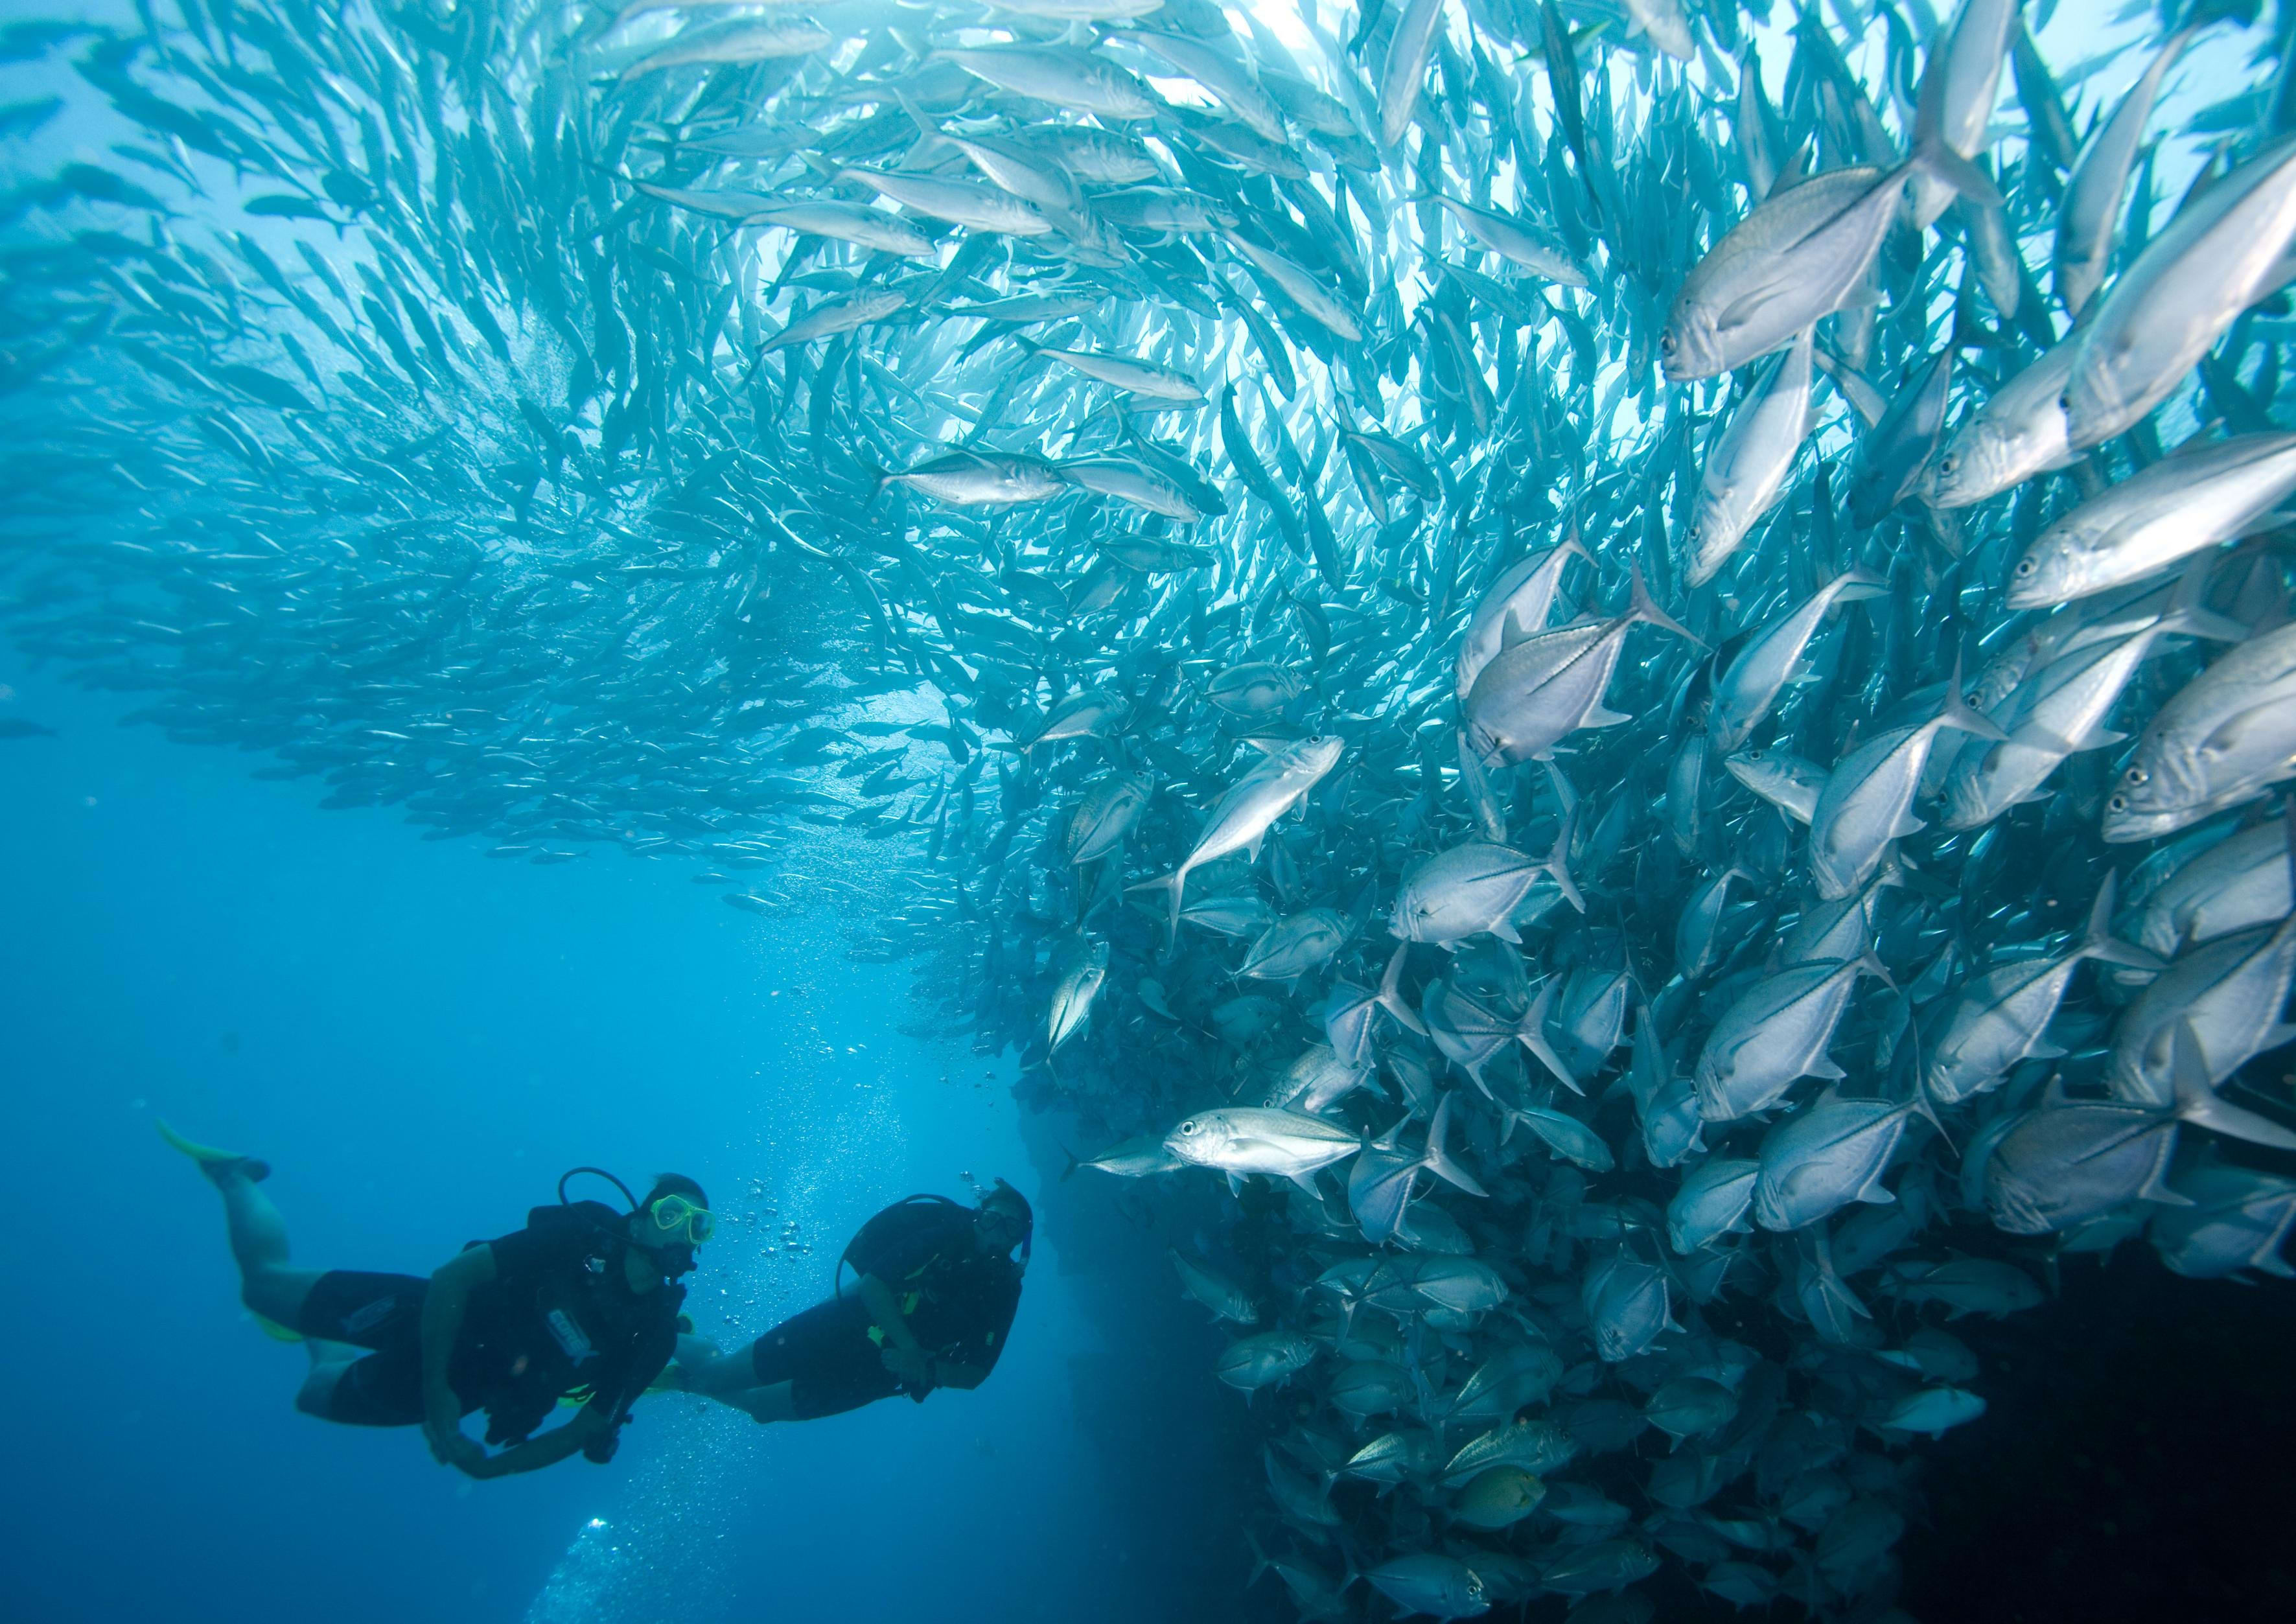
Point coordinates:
[[959, 1305], [557, 1318]]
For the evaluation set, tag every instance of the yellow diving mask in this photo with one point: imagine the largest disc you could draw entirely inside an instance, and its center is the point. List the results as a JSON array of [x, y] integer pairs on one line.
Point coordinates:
[[677, 1219]]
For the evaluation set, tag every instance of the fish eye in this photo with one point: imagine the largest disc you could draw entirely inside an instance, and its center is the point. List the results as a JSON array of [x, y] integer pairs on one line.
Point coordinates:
[[1756, 755], [2118, 803], [1666, 344], [1188, 1128], [2137, 774], [2025, 567], [1949, 465]]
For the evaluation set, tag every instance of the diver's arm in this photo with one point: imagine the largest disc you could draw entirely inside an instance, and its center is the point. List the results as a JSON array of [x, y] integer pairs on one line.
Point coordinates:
[[946, 1373], [886, 1312], [443, 1306], [551, 1447]]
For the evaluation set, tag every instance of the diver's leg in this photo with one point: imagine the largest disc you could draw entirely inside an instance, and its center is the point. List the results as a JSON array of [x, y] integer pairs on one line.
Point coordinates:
[[329, 1361], [258, 1243], [704, 1368], [737, 1378], [774, 1403]]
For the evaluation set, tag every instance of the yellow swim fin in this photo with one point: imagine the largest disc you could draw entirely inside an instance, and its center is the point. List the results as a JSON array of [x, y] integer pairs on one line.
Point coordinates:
[[209, 1157], [201, 1153]]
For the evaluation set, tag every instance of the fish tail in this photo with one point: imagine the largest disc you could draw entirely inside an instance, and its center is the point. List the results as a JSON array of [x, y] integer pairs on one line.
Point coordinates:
[[1176, 882], [1932, 156], [1557, 865], [1391, 996], [1955, 712], [1532, 1034], [2198, 1101], [1649, 614], [1437, 1160], [2100, 943], [2189, 615], [928, 132], [1260, 1562]]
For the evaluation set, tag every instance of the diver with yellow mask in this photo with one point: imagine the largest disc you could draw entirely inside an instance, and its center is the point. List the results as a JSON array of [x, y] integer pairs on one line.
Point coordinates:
[[580, 1304]]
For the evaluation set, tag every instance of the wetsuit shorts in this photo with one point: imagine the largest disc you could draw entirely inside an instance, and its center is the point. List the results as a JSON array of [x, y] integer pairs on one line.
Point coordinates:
[[381, 1312], [826, 1356]]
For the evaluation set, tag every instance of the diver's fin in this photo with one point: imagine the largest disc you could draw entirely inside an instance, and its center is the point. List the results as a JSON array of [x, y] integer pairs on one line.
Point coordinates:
[[210, 1159], [276, 1332]]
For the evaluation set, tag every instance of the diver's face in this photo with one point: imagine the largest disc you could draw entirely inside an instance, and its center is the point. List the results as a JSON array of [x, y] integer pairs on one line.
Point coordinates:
[[645, 1267], [641, 1269], [998, 1228]]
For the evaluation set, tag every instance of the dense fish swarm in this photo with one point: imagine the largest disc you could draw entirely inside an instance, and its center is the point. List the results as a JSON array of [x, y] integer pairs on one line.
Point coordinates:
[[1519, 626]]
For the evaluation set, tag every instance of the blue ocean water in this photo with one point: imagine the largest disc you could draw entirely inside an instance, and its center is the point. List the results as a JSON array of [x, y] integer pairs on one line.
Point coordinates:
[[420, 1041]]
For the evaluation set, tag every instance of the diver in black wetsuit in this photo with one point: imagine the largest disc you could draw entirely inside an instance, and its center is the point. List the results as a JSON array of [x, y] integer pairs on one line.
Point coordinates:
[[938, 1290], [580, 1304]]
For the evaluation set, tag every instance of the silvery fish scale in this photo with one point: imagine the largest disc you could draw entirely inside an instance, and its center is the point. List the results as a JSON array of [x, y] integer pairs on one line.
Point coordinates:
[[1626, 1305], [1996, 1022], [2231, 991], [1468, 889], [2064, 1164], [1712, 1201], [2238, 883], [2239, 1219], [1774, 1036], [1820, 1160]]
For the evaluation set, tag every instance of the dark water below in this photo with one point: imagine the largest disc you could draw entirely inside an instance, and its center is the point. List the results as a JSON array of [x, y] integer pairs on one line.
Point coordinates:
[[2136, 1463]]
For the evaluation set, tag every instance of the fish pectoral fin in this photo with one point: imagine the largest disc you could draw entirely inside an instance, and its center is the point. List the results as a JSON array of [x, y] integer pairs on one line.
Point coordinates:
[[1598, 717], [1746, 307], [1908, 825], [2046, 1050], [1823, 1066], [2036, 737]]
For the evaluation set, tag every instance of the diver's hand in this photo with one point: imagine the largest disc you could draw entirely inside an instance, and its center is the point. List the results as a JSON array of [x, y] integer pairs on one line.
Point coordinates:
[[450, 1446], [909, 1364]]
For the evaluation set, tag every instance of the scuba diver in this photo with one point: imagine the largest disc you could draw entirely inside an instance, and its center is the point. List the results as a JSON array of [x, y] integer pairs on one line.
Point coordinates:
[[582, 1305], [936, 1291]]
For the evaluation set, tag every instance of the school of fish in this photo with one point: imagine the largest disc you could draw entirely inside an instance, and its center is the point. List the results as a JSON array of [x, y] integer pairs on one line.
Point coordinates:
[[1606, 682]]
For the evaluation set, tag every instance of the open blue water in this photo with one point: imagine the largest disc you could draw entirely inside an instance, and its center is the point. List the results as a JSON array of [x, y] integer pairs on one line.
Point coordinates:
[[421, 1040]]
